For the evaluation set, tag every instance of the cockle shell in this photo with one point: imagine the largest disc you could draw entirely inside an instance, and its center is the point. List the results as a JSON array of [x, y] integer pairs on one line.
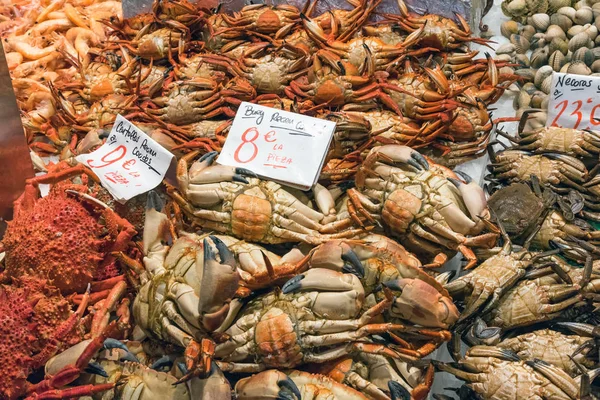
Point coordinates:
[[568, 11], [591, 30], [562, 21], [546, 85], [584, 54], [520, 43], [580, 40], [522, 60], [527, 31], [595, 66], [539, 21], [509, 28], [538, 41], [537, 99], [554, 5], [507, 48], [556, 60], [574, 30], [554, 31], [559, 44], [526, 73], [541, 74], [579, 68], [596, 10], [522, 100], [529, 87], [583, 16], [539, 57]]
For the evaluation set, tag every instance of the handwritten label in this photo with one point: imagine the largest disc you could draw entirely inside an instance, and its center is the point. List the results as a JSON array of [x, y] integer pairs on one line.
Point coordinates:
[[574, 102], [280, 145], [129, 163]]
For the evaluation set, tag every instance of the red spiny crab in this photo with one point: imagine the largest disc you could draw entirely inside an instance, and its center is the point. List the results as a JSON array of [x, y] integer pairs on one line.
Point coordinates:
[[494, 373], [381, 378], [220, 198], [36, 321], [425, 204], [438, 32], [66, 237], [284, 330], [419, 299]]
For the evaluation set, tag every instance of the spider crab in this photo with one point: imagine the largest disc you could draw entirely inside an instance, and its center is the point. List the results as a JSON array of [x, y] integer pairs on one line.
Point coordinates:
[[423, 203], [221, 198], [66, 237]]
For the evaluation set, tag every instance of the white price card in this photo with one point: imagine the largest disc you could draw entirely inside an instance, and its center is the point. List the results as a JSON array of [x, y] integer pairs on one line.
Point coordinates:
[[129, 162], [574, 102], [280, 145]]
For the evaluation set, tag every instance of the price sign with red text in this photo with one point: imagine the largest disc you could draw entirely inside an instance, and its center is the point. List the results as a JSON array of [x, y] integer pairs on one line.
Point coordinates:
[[129, 162], [574, 102], [280, 145]]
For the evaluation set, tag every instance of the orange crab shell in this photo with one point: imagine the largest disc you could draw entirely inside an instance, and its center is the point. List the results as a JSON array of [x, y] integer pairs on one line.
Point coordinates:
[[56, 239]]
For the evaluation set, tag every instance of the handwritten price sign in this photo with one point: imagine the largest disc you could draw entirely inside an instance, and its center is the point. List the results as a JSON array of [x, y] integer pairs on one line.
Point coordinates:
[[280, 145], [129, 163], [574, 102]]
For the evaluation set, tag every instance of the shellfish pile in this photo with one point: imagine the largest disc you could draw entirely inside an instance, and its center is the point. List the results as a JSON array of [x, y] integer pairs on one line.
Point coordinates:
[[222, 284]]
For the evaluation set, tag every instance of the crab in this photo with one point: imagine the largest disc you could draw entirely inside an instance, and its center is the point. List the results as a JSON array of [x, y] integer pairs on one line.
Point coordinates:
[[420, 299], [293, 385], [221, 198], [66, 237], [494, 373], [424, 204]]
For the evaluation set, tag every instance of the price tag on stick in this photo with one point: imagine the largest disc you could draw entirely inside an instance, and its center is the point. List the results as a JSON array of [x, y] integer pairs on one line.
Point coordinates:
[[279, 145], [129, 163], [574, 102]]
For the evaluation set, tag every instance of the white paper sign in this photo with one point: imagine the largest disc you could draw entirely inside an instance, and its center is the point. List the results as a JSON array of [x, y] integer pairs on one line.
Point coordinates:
[[129, 163], [574, 102], [280, 145]]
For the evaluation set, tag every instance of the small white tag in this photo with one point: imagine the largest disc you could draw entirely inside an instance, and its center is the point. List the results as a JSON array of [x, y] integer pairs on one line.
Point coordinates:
[[280, 145], [574, 102], [129, 163]]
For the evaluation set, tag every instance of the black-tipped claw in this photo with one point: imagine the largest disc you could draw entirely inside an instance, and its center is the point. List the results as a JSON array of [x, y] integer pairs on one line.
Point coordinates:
[[96, 369], [117, 344], [465, 176], [209, 254], [455, 182], [510, 355], [393, 284], [182, 368], [421, 161], [397, 391], [227, 257], [288, 390], [153, 201], [165, 362], [293, 284], [245, 172], [209, 157], [352, 264]]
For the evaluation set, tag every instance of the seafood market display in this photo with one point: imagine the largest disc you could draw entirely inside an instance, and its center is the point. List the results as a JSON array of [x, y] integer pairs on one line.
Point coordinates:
[[221, 284]]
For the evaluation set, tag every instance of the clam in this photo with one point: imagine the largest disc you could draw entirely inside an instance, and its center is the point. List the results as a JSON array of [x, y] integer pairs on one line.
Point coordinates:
[[556, 60], [504, 57], [539, 21], [538, 40], [521, 44], [542, 74], [567, 11], [591, 30], [527, 74], [584, 54], [579, 68], [597, 21], [555, 5], [554, 31], [583, 16], [537, 99], [509, 28], [523, 60], [507, 48], [527, 31], [574, 30], [546, 84], [596, 66], [596, 51], [545, 102], [596, 9], [529, 88], [580, 40], [522, 100], [539, 57], [562, 21], [558, 44]]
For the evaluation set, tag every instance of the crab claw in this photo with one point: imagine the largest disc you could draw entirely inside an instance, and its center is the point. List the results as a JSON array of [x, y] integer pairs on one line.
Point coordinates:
[[219, 282], [95, 369], [272, 384], [405, 154], [338, 256], [397, 391], [117, 344], [421, 303], [473, 196], [165, 361]]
